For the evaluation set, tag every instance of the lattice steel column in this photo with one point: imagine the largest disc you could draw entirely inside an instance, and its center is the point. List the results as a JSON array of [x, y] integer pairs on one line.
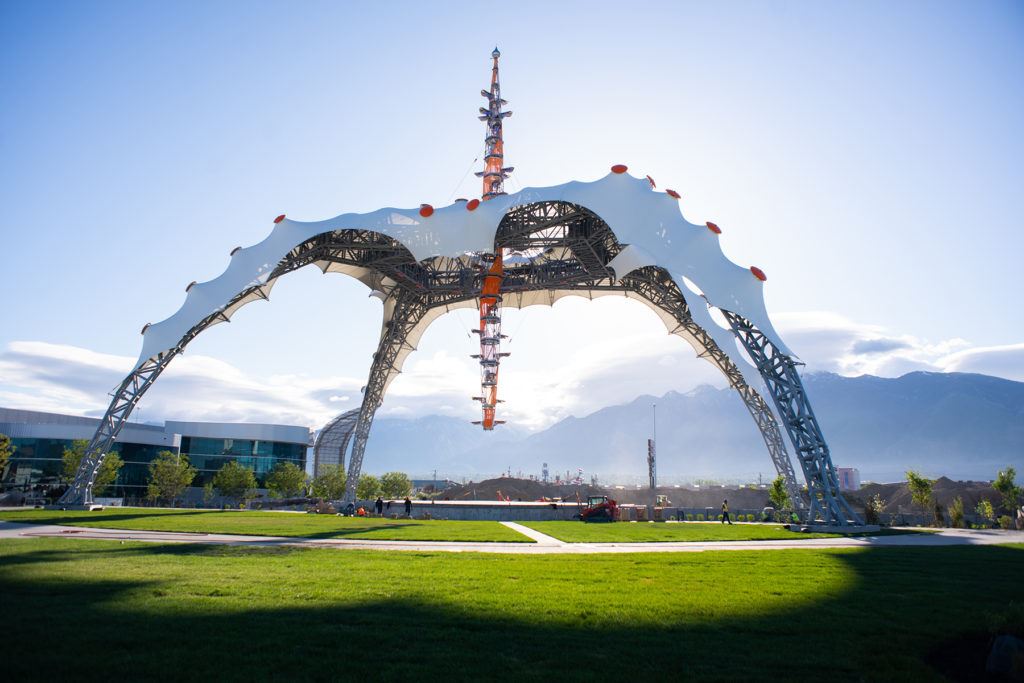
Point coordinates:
[[409, 310], [125, 399], [787, 390]]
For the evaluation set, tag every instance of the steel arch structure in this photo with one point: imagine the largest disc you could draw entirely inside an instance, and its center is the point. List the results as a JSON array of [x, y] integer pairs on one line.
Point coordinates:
[[559, 247], [332, 441]]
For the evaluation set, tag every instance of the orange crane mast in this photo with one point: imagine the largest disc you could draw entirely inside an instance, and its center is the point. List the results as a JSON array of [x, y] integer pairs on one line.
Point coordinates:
[[493, 175]]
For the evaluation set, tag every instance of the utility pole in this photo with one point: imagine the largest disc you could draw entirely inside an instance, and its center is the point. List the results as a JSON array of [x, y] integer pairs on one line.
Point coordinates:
[[652, 467]]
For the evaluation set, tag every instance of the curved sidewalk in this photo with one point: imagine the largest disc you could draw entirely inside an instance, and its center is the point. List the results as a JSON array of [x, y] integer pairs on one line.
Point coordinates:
[[544, 545]]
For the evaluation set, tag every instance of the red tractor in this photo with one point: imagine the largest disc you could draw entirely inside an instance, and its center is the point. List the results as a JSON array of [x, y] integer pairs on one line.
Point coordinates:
[[599, 509]]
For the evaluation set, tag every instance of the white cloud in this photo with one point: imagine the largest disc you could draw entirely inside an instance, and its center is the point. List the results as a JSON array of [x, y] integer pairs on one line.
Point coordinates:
[[828, 341], [585, 371], [1002, 361], [68, 379]]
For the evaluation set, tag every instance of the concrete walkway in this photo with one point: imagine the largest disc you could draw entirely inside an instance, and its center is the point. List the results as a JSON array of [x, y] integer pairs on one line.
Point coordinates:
[[545, 545], [538, 537]]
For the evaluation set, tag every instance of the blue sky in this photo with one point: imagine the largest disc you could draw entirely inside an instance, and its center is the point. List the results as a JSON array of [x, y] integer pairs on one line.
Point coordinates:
[[865, 155]]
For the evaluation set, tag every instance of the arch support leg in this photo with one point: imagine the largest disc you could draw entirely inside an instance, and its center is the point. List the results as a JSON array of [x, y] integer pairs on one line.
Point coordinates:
[[656, 287], [408, 311], [131, 389], [791, 402]]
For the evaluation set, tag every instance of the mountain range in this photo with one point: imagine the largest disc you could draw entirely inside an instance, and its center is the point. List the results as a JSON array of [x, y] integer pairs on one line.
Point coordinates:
[[959, 425]]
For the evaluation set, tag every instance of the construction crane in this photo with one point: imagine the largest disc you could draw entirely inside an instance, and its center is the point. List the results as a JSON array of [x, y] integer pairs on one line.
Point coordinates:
[[493, 175]]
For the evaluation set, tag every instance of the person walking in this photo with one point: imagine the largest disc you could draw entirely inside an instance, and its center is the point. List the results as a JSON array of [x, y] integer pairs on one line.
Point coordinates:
[[379, 506], [725, 512], [408, 507]]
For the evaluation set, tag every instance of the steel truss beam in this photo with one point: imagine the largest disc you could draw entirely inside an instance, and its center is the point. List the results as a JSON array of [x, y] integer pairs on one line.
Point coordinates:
[[568, 249], [656, 287], [787, 391], [332, 441]]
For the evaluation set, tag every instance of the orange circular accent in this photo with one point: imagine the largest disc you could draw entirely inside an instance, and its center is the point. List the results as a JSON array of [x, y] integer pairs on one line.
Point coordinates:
[[279, 218], [672, 193], [758, 273], [714, 228], [472, 204], [651, 181], [619, 168], [426, 210]]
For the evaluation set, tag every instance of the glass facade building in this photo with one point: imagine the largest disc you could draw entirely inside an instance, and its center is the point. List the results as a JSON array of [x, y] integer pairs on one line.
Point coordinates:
[[40, 439], [39, 462], [208, 455]]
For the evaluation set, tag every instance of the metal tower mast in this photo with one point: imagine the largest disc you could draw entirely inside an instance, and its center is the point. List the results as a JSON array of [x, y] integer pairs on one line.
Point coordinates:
[[493, 175], [494, 156]]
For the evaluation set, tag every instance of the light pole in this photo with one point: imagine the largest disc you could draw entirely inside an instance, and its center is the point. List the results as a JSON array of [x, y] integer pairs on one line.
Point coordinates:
[[654, 414]]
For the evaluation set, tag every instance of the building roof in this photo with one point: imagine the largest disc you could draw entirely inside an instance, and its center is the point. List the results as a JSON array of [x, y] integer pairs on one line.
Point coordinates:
[[34, 424]]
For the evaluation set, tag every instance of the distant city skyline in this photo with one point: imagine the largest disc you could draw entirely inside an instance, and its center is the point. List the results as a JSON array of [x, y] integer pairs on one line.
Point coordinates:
[[867, 157]]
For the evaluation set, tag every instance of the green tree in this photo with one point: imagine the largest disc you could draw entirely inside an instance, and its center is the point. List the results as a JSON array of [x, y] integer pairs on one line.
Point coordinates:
[[107, 474], [985, 510], [330, 483], [286, 480], [235, 482], [169, 475], [395, 485], [920, 489], [777, 493], [368, 487], [956, 513], [6, 451], [873, 509], [1007, 488]]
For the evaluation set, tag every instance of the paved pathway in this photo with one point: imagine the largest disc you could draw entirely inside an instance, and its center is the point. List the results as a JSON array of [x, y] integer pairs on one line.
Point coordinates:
[[538, 537], [545, 544]]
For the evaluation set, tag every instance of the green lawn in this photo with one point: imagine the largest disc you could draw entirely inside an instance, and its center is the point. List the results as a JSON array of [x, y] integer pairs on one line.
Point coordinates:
[[644, 532], [82, 609], [272, 524]]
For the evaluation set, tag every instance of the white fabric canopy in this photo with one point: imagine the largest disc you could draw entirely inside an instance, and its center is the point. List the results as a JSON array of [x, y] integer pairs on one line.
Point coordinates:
[[646, 222]]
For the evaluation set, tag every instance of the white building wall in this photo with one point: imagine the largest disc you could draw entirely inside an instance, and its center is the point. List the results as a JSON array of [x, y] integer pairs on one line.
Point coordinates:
[[849, 478]]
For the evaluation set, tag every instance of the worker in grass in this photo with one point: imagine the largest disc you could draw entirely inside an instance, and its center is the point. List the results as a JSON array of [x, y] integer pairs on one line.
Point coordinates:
[[408, 507], [725, 512]]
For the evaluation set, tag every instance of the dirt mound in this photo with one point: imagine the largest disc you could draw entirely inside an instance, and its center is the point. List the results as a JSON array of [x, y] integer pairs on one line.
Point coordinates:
[[504, 488], [897, 496], [739, 498], [528, 490]]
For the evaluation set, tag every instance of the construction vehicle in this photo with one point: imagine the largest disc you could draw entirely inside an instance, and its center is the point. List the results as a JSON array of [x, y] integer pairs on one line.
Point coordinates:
[[599, 509]]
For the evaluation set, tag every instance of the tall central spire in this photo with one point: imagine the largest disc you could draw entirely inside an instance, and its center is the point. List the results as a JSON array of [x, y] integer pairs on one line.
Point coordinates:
[[494, 155], [494, 175]]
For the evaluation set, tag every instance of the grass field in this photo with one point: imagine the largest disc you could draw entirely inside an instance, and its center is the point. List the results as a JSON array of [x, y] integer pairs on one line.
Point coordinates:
[[87, 609], [643, 532], [272, 524]]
